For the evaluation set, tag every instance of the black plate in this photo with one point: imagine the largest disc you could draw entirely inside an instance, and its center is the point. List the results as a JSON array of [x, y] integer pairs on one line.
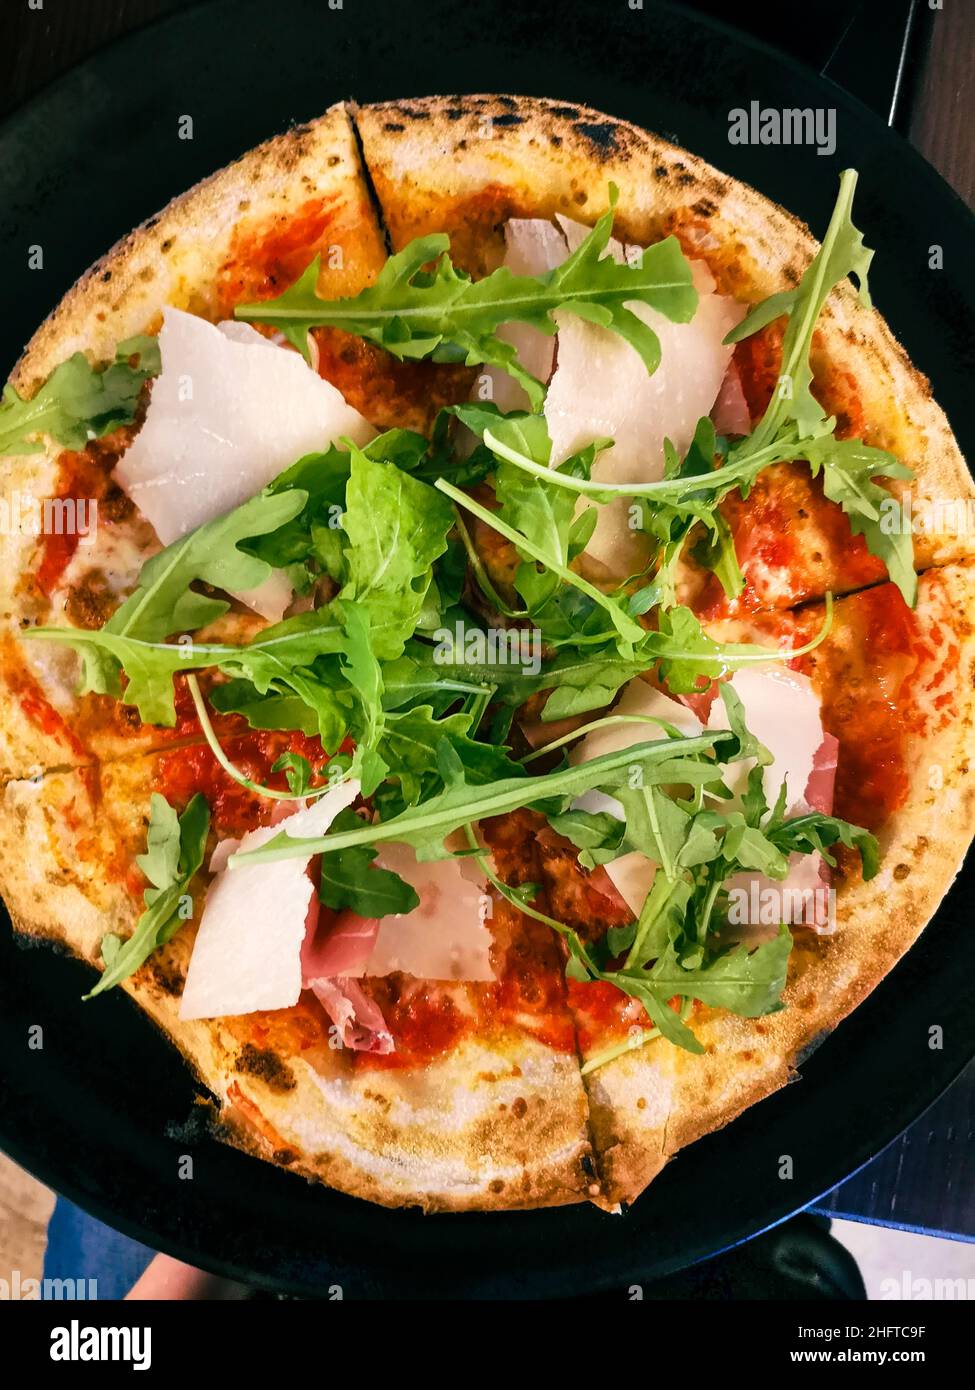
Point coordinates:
[[102, 1111]]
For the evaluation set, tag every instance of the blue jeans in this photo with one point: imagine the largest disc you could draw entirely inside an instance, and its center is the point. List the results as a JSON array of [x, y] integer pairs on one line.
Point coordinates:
[[79, 1247]]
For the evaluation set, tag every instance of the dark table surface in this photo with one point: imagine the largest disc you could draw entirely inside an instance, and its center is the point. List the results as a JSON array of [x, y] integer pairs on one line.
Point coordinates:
[[916, 67]]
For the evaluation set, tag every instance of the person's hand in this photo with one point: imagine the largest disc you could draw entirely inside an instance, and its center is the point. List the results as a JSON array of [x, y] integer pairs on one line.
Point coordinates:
[[166, 1278]]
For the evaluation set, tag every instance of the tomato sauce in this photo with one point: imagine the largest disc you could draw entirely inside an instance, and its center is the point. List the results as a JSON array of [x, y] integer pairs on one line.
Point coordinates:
[[389, 393], [81, 476], [84, 476], [603, 1014], [428, 1020], [792, 545], [473, 222], [267, 257], [234, 809], [36, 708], [868, 683], [528, 996], [264, 260]]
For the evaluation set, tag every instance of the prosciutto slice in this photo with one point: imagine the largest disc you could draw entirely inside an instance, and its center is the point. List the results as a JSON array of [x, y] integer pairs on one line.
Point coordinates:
[[445, 937], [358, 1018], [340, 947], [822, 778], [730, 413]]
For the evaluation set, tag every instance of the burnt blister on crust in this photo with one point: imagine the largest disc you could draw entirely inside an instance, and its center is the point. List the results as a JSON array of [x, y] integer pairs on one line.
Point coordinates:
[[604, 136], [165, 975], [267, 1066]]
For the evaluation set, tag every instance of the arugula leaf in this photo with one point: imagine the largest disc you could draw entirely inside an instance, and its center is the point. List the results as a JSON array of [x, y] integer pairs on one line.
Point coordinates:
[[271, 661], [174, 853], [272, 710], [625, 629], [527, 433], [849, 468], [164, 603], [533, 504], [161, 859], [746, 982], [585, 680], [425, 826], [410, 742], [685, 652], [599, 836], [816, 833], [298, 772], [365, 677], [842, 253], [324, 477], [417, 677], [436, 458], [77, 402], [442, 314], [348, 879], [397, 527]]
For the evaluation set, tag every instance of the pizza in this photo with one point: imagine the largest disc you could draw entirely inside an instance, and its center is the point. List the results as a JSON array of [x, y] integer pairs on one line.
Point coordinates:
[[487, 646]]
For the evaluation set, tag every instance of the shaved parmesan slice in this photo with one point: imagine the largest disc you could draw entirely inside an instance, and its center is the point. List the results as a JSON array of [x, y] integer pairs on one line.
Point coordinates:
[[228, 412], [631, 874], [445, 937], [575, 234], [247, 954], [271, 598], [758, 905], [601, 388], [782, 711], [532, 246]]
